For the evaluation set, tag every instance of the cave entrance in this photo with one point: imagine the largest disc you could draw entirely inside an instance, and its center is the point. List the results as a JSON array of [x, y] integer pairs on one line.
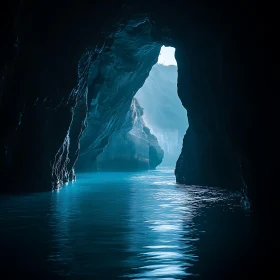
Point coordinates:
[[152, 132], [163, 112], [153, 129]]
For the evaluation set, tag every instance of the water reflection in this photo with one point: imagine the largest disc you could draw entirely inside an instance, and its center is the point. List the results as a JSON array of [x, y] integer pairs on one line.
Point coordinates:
[[90, 222], [128, 225], [159, 216], [62, 255]]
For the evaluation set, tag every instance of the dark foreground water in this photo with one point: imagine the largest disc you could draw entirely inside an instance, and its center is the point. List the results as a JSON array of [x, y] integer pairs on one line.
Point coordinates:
[[126, 225]]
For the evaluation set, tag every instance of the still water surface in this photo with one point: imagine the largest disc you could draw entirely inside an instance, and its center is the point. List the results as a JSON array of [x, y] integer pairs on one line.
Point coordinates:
[[125, 226]]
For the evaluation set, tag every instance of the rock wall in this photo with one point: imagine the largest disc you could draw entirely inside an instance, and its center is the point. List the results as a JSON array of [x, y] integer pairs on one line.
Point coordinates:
[[49, 101], [131, 148], [113, 79]]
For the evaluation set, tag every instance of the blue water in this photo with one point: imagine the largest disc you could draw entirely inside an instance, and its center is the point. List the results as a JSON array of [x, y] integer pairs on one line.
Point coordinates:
[[125, 225]]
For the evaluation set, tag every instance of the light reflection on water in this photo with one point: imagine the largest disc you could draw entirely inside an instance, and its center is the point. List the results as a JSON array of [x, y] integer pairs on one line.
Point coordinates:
[[161, 211], [110, 225]]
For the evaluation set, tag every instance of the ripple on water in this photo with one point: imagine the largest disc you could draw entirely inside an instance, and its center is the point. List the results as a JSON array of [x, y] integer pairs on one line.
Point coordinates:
[[108, 225]]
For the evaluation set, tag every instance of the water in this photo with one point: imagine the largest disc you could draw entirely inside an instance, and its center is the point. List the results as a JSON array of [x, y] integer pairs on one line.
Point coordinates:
[[128, 226]]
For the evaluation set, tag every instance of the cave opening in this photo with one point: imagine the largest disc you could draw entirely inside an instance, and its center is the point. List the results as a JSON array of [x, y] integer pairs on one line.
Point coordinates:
[[164, 113], [152, 132]]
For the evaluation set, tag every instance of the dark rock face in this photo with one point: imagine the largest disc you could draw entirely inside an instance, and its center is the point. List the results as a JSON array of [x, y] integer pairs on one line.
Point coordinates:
[[225, 81], [131, 148], [113, 79], [164, 112], [41, 134]]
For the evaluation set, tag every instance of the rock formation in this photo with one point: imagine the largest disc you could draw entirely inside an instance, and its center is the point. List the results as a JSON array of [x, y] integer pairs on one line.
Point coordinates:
[[113, 79], [131, 148]]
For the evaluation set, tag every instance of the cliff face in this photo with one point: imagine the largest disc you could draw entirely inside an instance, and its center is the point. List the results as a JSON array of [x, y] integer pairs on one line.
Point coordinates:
[[164, 112], [131, 148]]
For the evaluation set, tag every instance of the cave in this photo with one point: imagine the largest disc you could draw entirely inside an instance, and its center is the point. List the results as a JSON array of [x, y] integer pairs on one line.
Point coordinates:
[[70, 70], [77, 127]]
